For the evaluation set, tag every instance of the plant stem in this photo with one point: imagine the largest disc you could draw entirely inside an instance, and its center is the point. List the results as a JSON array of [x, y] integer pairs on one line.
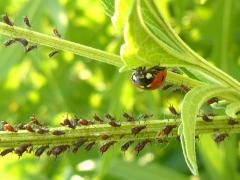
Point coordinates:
[[93, 132]]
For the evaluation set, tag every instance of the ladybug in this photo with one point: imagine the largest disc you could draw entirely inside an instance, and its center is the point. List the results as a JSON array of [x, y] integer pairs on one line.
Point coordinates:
[[149, 79]]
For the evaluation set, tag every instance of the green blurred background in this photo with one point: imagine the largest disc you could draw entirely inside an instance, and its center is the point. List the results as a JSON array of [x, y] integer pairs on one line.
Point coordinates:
[[50, 88]]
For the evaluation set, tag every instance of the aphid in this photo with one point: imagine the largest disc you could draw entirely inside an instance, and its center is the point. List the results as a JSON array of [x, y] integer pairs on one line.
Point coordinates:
[[52, 53], [41, 150], [97, 118], [126, 145], [167, 86], [173, 110], [137, 129], [110, 117], [168, 129], [22, 41], [89, 146], [27, 21], [139, 147], [106, 146], [213, 100], [105, 136], [7, 20], [20, 126], [29, 128], [42, 130], [184, 88], [58, 132], [219, 138], [149, 79], [9, 127], [77, 144], [232, 122], [85, 122], [56, 150], [6, 151], [206, 118], [145, 116], [56, 33], [128, 117], [35, 121], [21, 149], [9, 42], [30, 48], [114, 124], [69, 123]]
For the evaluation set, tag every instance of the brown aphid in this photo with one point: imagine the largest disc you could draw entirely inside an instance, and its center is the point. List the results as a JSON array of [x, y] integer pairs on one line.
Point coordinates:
[[77, 144], [232, 122], [110, 117], [105, 136], [56, 33], [30, 48], [184, 88], [128, 117], [219, 138], [6, 151], [106, 146], [173, 110], [139, 147], [27, 21], [35, 121], [58, 132], [56, 150], [206, 118], [41, 150], [168, 129], [21, 149], [22, 41], [137, 129], [126, 145], [89, 146], [69, 123], [42, 130], [9, 42], [97, 118], [85, 122], [52, 53], [114, 124], [213, 100], [20, 126], [29, 128], [7, 20], [9, 127]]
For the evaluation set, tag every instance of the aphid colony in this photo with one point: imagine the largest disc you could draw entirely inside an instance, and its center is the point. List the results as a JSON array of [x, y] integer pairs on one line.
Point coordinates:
[[24, 42]]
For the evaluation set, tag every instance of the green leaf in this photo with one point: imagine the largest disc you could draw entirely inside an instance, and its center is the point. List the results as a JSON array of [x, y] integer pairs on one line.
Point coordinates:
[[192, 102], [232, 109], [108, 6]]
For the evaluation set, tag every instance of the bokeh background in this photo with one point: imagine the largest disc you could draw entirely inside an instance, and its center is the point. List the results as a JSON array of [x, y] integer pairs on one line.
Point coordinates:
[[50, 88]]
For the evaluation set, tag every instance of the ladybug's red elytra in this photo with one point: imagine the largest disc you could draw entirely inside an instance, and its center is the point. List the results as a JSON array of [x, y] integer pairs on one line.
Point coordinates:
[[149, 79]]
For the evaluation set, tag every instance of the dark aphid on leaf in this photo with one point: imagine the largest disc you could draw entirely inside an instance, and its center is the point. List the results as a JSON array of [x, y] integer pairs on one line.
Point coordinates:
[[110, 117], [53, 53], [58, 132], [137, 129], [56, 33], [42, 130], [206, 118], [29, 128], [213, 100], [173, 110], [168, 129], [139, 147], [145, 116], [232, 122], [30, 48], [149, 79], [77, 144], [128, 117], [184, 88], [106, 146], [220, 137], [105, 136], [35, 121], [69, 123], [22, 41], [114, 124], [7, 20], [6, 151], [57, 150], [85, 122], [9, 127], [41, 150], [167, 86], [89, 146], [126, 145], [9, 42], [20, 126], [98, 119], [21, 149], [27, 21]]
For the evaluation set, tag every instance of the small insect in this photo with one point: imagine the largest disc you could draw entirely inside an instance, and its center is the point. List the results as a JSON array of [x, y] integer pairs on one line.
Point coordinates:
[[232, 122], [105, 136], [145, 116], [167, 86], [126, 145], [89, 146], [52, 53], [27, 21], [56, 33], [58, 132], [9, 42], [168, 129], [139, 147], [206, 118], [9, 127], [184, 88], [85, 122], [128, 117], [97, 118], [173, 110], [6, 151], [30, 48], [41, 150], [42, 130], [149, 79], [219, 138], [20, 126], [56, 150], [29, 128], [213, 100], [114, 124], [69, 123], [106, 146], [22, 41], [21, 149], [77, 144], [7, 20], [35, 121], [137, 129], [110, 117]]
